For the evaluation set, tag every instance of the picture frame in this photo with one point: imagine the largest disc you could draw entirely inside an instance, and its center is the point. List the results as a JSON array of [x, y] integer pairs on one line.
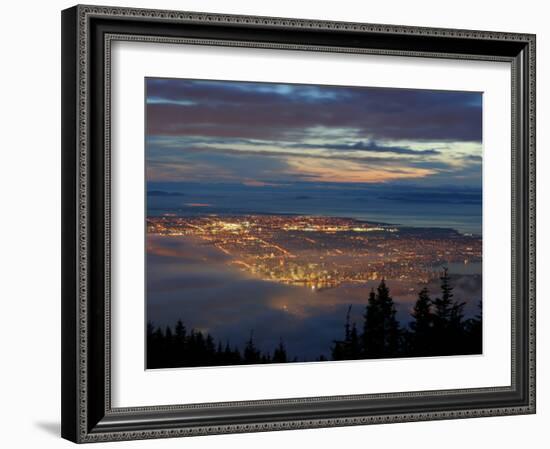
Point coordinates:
[[87, 411]]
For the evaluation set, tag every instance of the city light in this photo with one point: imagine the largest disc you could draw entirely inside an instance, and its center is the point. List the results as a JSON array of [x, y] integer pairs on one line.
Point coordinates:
[[324, 252]]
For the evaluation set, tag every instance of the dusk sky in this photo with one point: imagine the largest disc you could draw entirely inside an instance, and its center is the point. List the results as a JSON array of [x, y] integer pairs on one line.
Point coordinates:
[[266, 134]]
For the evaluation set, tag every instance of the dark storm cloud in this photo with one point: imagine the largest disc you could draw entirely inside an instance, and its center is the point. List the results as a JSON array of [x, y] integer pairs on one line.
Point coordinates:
[[370, 146], [231, 92], [216, 153], [161, 145], [272, 111]]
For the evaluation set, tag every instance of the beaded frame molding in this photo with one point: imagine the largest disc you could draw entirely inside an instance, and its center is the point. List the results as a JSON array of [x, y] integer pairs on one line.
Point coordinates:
[[87, 34]]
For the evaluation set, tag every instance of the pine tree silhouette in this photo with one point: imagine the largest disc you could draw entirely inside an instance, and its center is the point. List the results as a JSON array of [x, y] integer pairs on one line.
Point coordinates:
[[251, 353], [422, 336], [392, 331], [473, 330], [442, 315], [279, 355], [450, 333], [350, 347], [443, 305], [382, 333], [373, 332]]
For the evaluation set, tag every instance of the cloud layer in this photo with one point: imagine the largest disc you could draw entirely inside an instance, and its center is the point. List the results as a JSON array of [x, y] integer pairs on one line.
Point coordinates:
[[269, 133]]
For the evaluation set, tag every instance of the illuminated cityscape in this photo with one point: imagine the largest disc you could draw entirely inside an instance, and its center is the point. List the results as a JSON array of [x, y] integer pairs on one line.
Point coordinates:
[[324, 252]]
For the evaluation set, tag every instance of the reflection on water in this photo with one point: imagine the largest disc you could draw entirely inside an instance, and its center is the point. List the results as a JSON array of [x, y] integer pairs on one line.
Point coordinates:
[[192, 281]]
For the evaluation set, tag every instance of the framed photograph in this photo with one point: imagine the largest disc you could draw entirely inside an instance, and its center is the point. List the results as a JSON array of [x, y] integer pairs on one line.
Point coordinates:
[[275, 224]]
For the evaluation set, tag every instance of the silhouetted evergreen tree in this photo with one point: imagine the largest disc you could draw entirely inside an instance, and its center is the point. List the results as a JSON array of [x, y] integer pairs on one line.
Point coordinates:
[[179, 346], [449, 326], [350, 347], [219, 352], [197, 347], [457, 329], [392, 329], [473, 330], [338, 350], [442, 315], [168, 346], [381, 331], [279, 355], [421, 339], [373, 329], [210, 350], [225, 355], [443, 305], [175, 347], [180, 331], [347, 328], [236, 356], [251, 353]]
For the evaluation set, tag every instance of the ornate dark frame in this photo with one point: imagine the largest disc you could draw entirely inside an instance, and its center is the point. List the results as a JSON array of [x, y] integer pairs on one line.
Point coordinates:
[[87, 33]]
